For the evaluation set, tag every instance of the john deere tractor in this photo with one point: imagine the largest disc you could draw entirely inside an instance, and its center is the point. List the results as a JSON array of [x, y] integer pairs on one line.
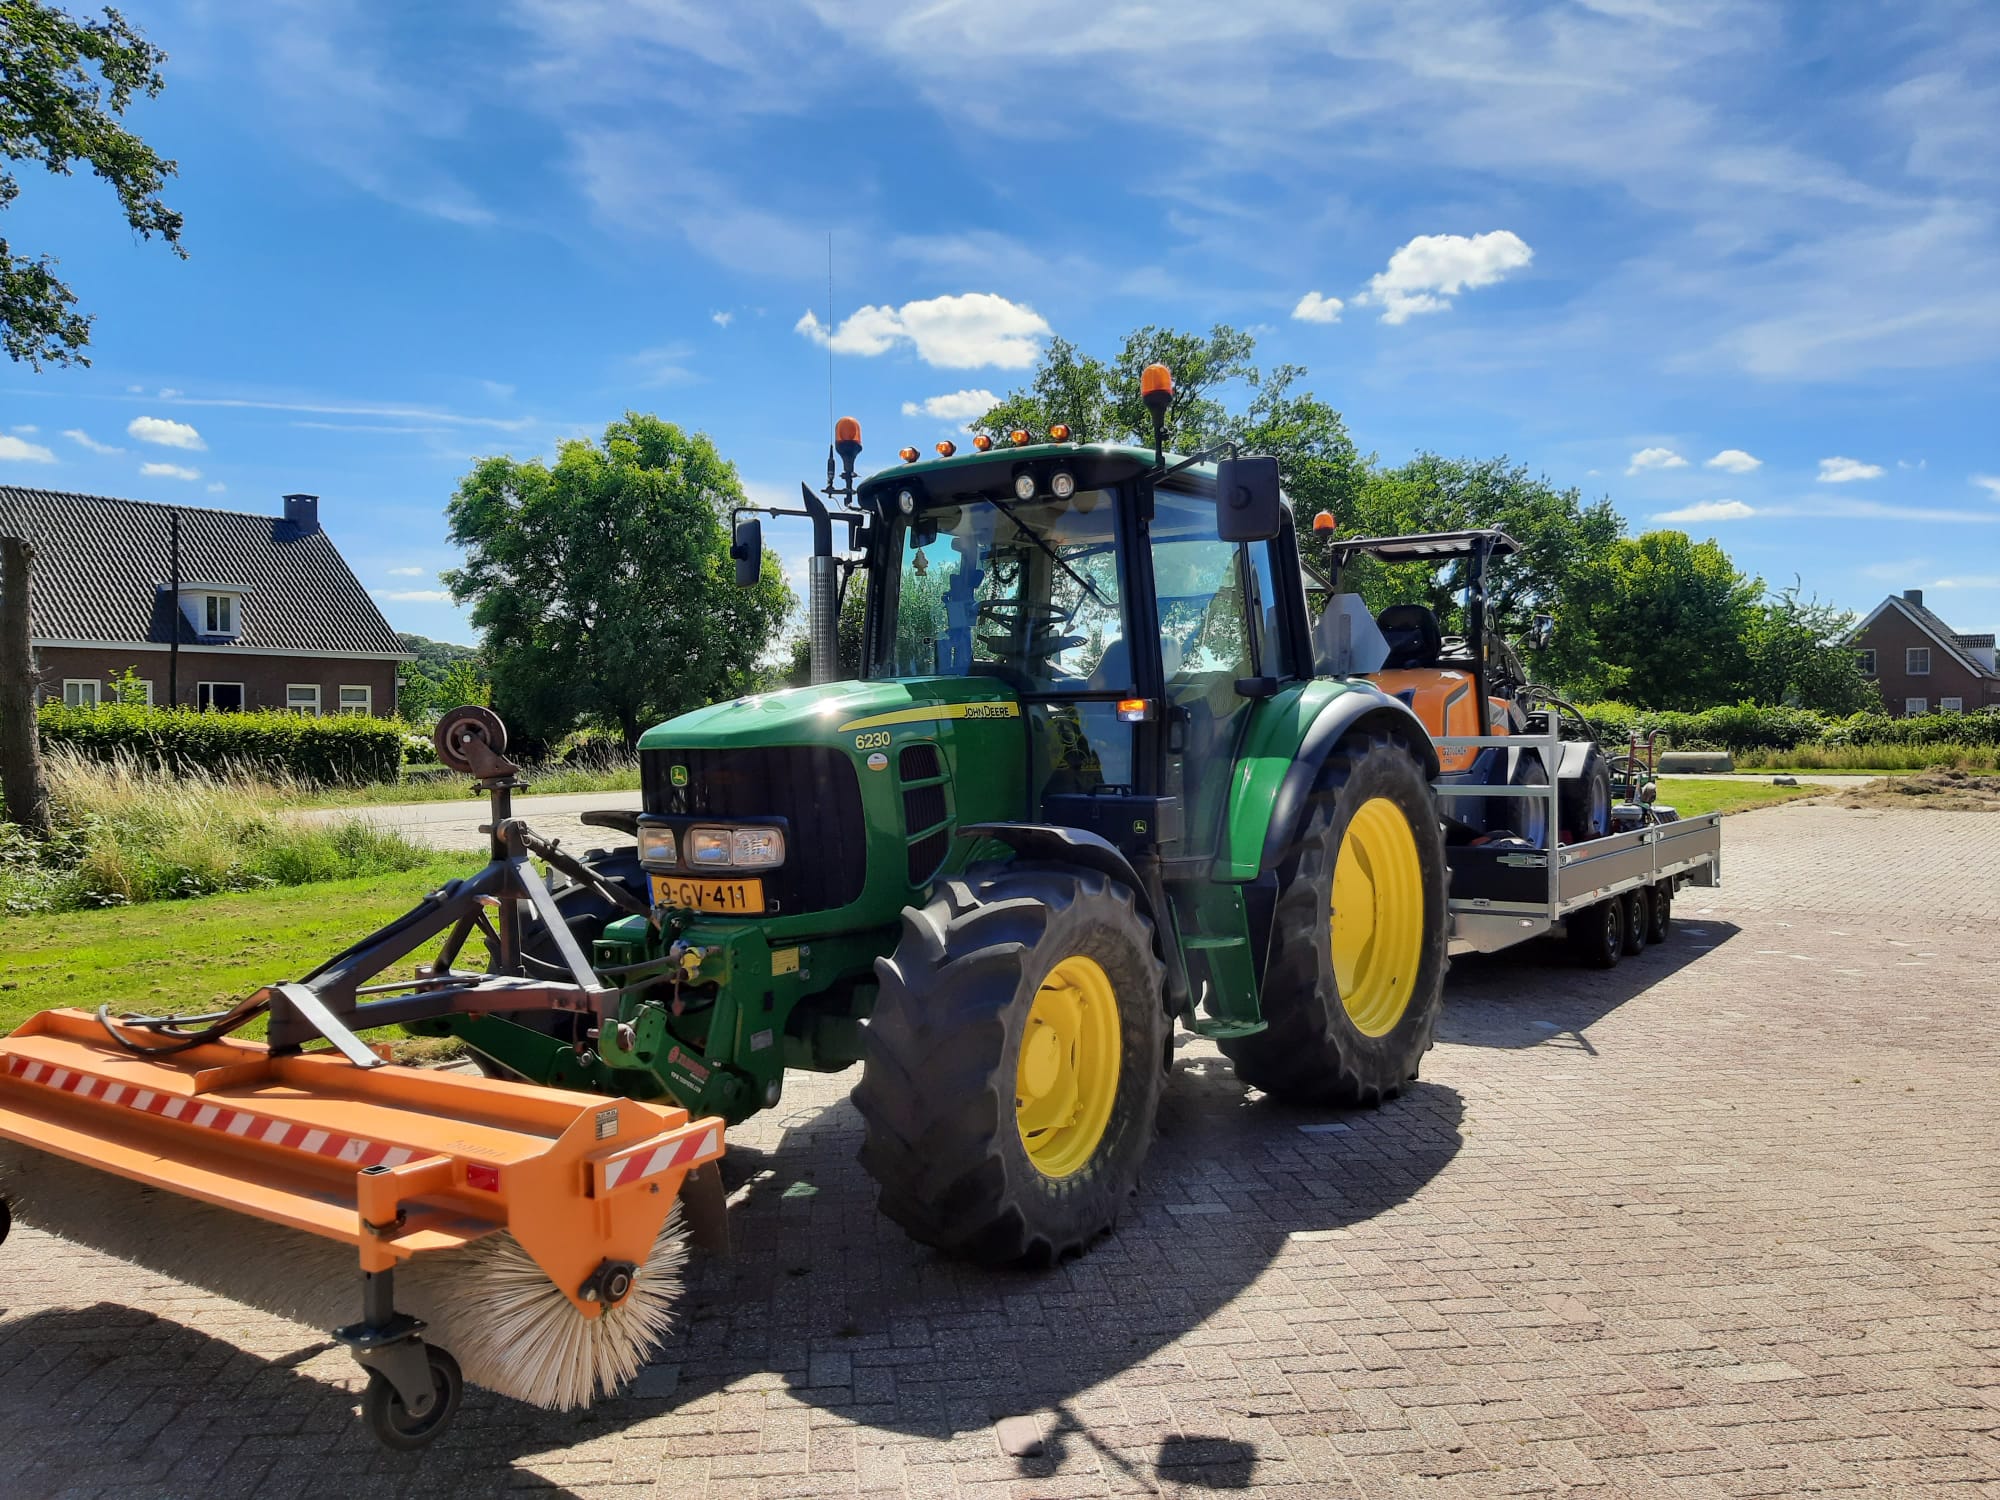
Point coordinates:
[[1085, 788]]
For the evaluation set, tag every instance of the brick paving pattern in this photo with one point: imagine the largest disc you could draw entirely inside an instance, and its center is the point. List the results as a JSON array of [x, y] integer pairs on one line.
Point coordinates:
[[1722, 1221]]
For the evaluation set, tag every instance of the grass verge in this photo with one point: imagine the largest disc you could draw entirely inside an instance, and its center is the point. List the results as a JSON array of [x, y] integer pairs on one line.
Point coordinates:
[[200, 955], [1877, 758], [1689, 796], [431, 787]]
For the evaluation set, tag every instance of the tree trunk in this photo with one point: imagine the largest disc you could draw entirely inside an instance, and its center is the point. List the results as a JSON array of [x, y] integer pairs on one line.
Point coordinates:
[[22, 784]]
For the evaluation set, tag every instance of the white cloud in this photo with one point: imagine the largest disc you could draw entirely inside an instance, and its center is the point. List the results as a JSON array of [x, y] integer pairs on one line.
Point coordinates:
[[83, 439], [217, 487], [1708, 510], [958, 406], [165, 432], [1655, 458], [953, 333], [722, 319], [1988, 482], [1313, 308], [666, 364], [408, 572], [27, 431], [1734, 461], [26, 453], [1846, 470], [168, 393], [413, 596], [1431, 269], [1970, 581], [168, 471]]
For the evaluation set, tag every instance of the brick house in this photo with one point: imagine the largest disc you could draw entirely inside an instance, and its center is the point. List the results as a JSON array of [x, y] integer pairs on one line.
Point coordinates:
[[1920, 664], [270, 614]]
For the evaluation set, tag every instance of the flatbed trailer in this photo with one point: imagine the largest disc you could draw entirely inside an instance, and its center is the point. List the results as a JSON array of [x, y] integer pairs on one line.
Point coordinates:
[[1503, 894]]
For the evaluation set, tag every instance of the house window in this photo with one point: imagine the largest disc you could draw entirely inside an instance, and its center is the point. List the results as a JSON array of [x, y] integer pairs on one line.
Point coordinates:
[[1951, 705], [82, 692], [357, 700], [302, 697], [1865, 660], [1916, 705], [222, 697], [220, 615], [1917, 661]]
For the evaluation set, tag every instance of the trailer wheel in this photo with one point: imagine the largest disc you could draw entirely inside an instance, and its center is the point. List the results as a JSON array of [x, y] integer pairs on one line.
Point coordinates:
[[391, 1421], [1597, 933], [6, 1220], [1358, 950], [1659, 911], [1585, 798], [1013, 1066], [1635, 921]]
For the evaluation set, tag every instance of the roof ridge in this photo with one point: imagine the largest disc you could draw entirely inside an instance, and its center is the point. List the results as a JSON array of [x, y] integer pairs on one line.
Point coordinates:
[[213, 510]]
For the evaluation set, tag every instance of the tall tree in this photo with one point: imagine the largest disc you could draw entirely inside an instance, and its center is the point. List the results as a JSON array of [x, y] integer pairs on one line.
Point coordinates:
[[1798, 655], [1670, 617], [23, 787], [64, 85], [603, 586]]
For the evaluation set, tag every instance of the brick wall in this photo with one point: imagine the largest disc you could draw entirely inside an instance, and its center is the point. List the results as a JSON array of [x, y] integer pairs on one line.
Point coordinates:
[[1890, 637], [264, 678]]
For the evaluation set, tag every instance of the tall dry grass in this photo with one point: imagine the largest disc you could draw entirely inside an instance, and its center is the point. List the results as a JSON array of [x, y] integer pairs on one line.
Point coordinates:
[[1869, 758], [127, 833]]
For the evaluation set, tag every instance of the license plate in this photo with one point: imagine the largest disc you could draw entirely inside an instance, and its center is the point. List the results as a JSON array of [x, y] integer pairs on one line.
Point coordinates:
[[745, 897]]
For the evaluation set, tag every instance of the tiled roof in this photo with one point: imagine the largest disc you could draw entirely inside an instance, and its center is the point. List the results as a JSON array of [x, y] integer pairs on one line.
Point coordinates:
[[101, 564], [1955, 645]]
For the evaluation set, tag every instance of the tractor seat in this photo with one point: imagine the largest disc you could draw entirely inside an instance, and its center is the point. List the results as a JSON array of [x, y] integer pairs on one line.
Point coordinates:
[[1413, 636]]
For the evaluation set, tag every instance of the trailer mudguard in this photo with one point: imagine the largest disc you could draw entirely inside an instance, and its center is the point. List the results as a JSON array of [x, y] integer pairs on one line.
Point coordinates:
[[1290, 736]]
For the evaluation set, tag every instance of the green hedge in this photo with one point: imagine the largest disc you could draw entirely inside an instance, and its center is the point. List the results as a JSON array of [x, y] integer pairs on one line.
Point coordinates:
[[344, 748], [1745, 726]]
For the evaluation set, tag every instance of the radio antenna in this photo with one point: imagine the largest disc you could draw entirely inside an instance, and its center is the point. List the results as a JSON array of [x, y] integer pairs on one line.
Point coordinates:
[[829, 330]]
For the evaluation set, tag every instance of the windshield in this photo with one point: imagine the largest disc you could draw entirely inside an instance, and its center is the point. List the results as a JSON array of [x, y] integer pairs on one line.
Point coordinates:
[[1025, 591]]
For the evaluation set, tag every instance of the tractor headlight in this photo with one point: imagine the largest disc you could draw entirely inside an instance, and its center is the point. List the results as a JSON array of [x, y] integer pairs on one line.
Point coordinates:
[[709, 848], [656, 845], [759, 848]]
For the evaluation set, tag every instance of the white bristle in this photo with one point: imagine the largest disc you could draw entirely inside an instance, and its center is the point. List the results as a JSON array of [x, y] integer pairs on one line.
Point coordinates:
[[511, 1329]]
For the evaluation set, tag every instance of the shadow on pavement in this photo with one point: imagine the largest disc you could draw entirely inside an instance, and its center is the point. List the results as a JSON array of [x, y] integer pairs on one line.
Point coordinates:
[[1539, 994]]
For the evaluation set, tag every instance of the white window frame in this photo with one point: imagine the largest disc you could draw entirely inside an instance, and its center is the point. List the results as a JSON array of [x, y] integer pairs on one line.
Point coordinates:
[[365, 708], [217, 607], [299, 705], [1951, 705], [1910, 655], [80, 683], [1914, 706], [1864, 658], [207, 689]]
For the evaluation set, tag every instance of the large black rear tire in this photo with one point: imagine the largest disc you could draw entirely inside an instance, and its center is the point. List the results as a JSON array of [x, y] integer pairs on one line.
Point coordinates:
[[1320, 1046], [963, 1065], [1585, 799]]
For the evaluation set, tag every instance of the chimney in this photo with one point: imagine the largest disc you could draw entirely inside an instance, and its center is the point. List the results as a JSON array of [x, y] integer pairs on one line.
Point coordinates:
[[1915, 596], [303, 512]]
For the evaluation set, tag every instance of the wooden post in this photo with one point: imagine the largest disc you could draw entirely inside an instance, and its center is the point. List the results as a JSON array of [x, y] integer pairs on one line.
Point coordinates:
[[22, 783]]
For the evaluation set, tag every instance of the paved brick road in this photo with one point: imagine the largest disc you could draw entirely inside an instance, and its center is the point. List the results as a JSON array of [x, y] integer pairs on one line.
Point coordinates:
[[1723, 1221]]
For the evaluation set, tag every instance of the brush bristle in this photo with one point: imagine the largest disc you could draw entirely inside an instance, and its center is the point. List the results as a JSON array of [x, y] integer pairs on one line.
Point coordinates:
[[511, 1328], [517, 1332]]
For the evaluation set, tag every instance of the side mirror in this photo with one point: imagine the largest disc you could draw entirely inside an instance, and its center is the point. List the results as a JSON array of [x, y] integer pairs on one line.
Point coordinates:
[[1541, 632], [748, 550], [1247, 507]]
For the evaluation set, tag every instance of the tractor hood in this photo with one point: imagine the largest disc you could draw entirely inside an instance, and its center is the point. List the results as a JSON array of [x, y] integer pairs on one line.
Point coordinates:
[[830, 713]]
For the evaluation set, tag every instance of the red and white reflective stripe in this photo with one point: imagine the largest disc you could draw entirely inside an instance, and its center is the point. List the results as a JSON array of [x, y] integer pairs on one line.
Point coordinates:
[[637, 1166], [198, 1112]]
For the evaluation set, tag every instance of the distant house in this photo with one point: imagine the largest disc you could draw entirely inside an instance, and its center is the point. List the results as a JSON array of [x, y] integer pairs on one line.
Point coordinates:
[[1921, 664], [270, 614]]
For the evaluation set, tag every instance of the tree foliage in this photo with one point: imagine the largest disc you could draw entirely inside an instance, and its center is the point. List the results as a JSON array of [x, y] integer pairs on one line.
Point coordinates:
[[64, 85], [1798, 655], [443, 676], [603, 587], [1670, 618]]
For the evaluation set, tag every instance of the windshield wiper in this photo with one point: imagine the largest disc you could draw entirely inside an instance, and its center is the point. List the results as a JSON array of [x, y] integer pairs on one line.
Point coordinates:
[[1055, 557]]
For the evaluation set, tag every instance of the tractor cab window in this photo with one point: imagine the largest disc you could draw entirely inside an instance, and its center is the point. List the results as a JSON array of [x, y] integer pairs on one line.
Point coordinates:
[[1024, 591]]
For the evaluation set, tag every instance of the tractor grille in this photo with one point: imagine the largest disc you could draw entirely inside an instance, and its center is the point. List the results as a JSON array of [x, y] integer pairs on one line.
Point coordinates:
[[813, 788], [925, 812]]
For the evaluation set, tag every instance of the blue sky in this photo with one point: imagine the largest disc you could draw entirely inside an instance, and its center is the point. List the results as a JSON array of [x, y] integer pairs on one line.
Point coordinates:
[[1728, 262]]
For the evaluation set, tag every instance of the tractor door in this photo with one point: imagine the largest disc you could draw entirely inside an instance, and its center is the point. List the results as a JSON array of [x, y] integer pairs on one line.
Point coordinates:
[[1219, 622]]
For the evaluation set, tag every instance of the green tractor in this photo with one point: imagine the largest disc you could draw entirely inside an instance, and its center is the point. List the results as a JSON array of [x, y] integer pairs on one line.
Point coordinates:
[[1087, 786]]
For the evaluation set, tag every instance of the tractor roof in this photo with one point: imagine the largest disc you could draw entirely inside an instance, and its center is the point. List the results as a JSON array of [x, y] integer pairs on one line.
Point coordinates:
[[1095, 466], [1430, 547]]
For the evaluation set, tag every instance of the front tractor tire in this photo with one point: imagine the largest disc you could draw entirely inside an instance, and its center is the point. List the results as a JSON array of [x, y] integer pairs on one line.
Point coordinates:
[[1012, 1074], [1358, 949]]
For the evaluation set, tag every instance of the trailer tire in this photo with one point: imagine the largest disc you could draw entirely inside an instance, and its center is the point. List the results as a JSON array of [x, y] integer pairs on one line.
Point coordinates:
[[1635, 921], [1584, 800], [1597, 933], [1321, 1046], [1659, 911], [1016, 992]]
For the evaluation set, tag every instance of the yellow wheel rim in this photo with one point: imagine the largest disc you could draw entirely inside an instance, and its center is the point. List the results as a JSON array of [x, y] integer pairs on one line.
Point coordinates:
[[1378, 917], [1067, 1078]]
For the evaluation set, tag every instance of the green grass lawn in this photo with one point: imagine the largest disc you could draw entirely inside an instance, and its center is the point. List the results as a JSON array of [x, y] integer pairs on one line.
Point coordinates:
[[1689, 796], [199, 954], [429, 788]]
